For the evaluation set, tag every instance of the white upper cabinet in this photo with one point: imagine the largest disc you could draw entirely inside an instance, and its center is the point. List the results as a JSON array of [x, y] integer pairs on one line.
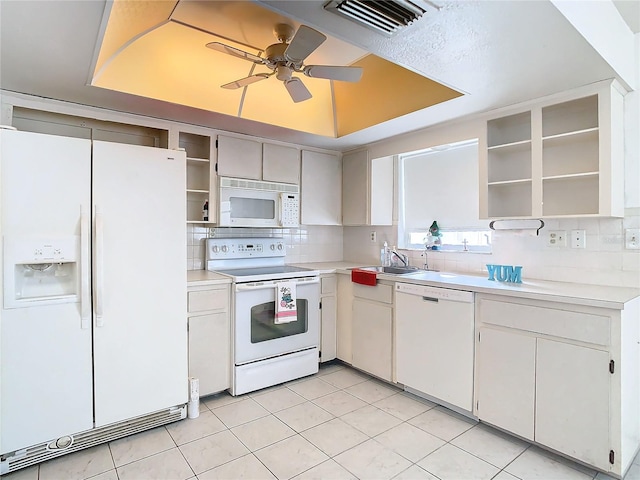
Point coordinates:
[[367, 189], [251, 159], [562, 157], [280, 163], [321, 189], [239, 157]]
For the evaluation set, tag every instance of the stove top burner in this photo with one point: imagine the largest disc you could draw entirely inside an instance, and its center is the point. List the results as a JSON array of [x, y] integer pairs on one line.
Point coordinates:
[[273, 272]]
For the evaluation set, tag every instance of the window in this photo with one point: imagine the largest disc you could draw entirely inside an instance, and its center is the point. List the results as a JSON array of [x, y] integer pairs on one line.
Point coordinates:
[[441, 184]]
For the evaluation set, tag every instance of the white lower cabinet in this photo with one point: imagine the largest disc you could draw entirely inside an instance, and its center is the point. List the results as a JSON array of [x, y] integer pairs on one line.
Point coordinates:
[[328, 313], [572, 400], [505, 376], [564, 376], [209, 337], [372, 330]]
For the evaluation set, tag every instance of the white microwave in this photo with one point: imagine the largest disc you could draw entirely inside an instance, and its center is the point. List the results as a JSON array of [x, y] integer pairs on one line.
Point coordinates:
[[252, 203]]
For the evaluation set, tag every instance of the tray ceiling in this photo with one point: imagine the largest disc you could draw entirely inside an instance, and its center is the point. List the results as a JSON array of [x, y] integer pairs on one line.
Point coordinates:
[[156, 49]]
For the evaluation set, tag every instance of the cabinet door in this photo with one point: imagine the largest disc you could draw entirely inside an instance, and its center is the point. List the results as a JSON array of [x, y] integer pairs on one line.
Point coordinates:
[[572, 401], [209, 352], [280, 163], [328, 329], [355, 176], [344, 318], [381, 191], [321, 189], [505, 372], [239, 157], [372, 341]]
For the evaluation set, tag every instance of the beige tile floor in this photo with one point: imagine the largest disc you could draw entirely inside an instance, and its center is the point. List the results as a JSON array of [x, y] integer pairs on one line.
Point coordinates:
[[338, 424]]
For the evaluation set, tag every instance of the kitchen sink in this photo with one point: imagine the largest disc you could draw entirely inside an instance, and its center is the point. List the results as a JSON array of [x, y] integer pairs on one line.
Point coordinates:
[[395, 270]]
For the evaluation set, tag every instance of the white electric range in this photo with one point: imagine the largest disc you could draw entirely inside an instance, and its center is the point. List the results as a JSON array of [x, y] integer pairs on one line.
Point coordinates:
[[267, 349]]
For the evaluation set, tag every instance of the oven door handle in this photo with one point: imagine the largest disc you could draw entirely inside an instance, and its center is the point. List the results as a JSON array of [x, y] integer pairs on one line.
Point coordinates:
[[263, 285]]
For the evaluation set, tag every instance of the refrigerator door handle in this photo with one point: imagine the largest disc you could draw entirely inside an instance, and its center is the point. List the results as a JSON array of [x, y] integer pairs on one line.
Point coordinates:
[[97, 268], [85, 292]]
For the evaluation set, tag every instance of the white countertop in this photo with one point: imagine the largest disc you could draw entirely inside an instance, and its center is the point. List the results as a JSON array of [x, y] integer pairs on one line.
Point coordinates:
[[575, 293], [205, 277]]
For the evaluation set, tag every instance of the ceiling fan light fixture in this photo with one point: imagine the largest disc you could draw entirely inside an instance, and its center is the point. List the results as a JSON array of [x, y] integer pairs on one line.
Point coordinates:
[[283, 72]]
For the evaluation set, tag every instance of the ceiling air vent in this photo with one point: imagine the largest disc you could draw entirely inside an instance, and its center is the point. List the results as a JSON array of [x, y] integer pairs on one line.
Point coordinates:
[[386, 17]]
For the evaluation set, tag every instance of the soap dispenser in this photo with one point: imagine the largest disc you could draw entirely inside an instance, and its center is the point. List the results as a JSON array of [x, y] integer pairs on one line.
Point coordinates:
[[385, 256]]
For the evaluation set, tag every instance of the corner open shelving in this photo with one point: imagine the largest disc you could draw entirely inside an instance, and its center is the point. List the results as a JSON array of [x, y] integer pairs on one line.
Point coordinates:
[[556, 159]]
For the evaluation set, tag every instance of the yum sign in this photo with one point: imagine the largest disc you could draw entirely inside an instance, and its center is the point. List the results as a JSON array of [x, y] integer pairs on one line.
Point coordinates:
[[505, 273]]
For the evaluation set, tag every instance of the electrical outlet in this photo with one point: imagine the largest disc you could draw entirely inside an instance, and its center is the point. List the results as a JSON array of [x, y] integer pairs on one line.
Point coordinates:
[[578, 239], [374, 237], [632, 238], [557, 238]]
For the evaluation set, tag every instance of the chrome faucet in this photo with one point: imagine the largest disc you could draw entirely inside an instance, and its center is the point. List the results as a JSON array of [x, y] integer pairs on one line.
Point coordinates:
[[426, 262], [402, 257]]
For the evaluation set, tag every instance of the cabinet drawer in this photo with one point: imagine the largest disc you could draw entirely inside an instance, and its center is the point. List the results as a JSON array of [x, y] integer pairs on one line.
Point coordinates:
[[380, 293], [578, 326], [211, 299], [328, 285]]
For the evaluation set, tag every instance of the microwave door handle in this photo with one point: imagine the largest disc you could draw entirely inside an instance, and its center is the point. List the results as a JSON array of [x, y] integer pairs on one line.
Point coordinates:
[[281, 209]]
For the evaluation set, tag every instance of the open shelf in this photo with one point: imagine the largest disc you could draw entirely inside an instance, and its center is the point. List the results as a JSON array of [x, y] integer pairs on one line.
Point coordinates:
[[572, 116], [568, 136], [571, 175], [510, 199], [511, 182], [571, 195], [574, 154], [198, 148], [512, 162], [509, 130]]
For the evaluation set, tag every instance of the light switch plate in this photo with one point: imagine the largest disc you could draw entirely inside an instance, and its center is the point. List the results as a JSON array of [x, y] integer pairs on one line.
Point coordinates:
[[578, 239], [632, 238]]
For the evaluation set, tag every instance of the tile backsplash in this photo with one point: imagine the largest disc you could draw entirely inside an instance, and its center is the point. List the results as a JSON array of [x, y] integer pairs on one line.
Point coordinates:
[[304, 244], [604, 261]]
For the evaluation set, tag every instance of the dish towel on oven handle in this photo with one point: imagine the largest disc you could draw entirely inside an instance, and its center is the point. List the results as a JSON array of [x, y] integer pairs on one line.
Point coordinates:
[[286, 310]]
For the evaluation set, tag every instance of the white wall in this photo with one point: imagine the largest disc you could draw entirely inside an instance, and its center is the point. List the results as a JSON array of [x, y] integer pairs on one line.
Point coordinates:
[[604, 261]]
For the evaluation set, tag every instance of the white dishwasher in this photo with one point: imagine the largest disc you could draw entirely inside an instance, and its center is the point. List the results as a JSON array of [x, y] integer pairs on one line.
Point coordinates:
[[435, 342]]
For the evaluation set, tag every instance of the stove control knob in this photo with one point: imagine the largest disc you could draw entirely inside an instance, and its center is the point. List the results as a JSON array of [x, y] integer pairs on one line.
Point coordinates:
[[280, 246], [273, 246], [215, 249], [225, 249]]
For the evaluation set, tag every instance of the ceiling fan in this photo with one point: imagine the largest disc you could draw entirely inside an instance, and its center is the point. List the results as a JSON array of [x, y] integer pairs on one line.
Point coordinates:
[[286, 57]]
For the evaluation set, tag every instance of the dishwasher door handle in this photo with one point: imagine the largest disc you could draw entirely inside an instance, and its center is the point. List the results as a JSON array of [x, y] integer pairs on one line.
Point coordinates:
[[430, 299]]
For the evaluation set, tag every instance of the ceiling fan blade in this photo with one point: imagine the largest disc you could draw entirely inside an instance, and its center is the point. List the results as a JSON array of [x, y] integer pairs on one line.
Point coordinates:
[[304, 42], [297, 90], [243, 82], [344, 74], [235, 52]]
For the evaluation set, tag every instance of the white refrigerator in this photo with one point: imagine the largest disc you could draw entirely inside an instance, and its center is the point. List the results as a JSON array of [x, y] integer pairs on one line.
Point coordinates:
[[93, 333]]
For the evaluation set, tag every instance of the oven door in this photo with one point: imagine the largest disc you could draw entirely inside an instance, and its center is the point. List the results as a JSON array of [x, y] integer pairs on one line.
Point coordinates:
[[257, 335]]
